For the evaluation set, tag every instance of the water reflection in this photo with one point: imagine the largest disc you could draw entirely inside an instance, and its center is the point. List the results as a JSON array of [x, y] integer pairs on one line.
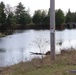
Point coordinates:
[[2, 50]]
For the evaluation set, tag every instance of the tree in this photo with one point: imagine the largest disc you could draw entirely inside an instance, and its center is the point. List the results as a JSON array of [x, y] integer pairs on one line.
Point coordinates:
[[2, 17], [59, 17], [37, 17], [43, 15], [22, 16], [41, 43], [24, 19], [8, 9], [2, 13], [20, 9], [47, 18], [10, 19], [10, 22], [70, 17], [75, 17]]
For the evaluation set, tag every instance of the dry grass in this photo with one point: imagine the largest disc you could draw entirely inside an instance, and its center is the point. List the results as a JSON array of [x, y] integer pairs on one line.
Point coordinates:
[[62, 64], [2, 35]]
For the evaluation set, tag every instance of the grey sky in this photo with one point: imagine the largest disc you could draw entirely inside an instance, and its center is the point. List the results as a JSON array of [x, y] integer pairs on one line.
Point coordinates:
[[44, 4]]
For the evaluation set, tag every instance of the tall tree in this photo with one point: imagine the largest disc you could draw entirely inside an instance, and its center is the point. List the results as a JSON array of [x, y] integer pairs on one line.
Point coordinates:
[[20, 9], [47, 18], [43, 15], [2, 13], [37, 17], [10, 21], [8, 9], [59, 17], [24, 19], [70, 17], [22, 16], [2, 17]]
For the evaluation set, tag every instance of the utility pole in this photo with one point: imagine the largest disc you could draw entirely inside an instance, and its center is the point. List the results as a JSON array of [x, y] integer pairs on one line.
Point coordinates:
[[52, 28]]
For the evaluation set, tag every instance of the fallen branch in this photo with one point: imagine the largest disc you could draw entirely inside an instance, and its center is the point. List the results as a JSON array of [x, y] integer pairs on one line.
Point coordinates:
[[37, 53]]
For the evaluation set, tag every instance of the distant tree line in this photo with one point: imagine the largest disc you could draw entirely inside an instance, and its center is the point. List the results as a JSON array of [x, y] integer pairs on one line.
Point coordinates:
[[19, 18], [13, 18]]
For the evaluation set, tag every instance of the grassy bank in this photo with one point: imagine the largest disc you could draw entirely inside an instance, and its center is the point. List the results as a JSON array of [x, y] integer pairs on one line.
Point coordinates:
[[63, 63]]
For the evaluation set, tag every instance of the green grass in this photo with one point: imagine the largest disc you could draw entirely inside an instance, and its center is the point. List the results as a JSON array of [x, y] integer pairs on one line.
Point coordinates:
[[52, 70], [61, 66]]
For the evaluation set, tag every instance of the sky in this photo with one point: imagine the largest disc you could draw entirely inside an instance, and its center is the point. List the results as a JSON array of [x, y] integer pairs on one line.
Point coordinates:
[[44, 4]]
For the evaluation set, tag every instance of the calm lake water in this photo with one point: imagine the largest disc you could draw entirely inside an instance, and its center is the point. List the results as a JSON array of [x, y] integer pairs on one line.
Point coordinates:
[[19, 45]]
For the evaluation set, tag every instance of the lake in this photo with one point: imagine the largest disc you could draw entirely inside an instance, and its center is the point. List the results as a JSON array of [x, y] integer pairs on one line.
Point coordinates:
[[17, 47]]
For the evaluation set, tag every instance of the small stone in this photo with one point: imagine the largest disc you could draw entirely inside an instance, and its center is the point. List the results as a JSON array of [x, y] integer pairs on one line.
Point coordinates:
[[72, 71]]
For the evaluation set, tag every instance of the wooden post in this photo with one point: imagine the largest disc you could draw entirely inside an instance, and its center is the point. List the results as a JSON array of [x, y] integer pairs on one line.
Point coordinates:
[[52, 28]]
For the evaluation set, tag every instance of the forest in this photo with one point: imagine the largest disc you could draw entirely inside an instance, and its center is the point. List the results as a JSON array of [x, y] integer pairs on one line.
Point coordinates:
[[18, 18]]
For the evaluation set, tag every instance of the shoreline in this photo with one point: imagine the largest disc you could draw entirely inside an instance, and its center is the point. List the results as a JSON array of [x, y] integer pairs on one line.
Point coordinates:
[[63, 63], [10, 32], [2, 35]]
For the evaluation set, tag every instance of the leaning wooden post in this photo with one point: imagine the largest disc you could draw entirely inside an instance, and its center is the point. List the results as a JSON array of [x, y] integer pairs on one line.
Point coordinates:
[[52, 28]]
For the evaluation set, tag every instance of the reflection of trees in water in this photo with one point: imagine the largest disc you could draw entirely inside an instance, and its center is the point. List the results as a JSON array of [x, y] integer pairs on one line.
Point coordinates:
[[2, 50], [9, 58], [1, 43], [19, 31], [3, 59], [60, 41], [0, 39], [22, 54]]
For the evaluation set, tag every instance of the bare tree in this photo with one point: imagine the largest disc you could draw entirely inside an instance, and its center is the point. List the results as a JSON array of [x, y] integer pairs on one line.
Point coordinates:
[[8, 9], [41, 44]]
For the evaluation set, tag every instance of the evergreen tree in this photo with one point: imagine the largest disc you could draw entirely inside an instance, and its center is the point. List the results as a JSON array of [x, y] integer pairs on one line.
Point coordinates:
[[22, 16], [2, 13], [43, 15], [37, 17], [2, 17], [70, 17], [10, 22], [47, 18], [59, 18]]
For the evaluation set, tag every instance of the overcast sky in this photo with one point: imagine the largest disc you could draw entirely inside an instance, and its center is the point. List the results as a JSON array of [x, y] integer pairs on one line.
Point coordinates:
[[44, 4]]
